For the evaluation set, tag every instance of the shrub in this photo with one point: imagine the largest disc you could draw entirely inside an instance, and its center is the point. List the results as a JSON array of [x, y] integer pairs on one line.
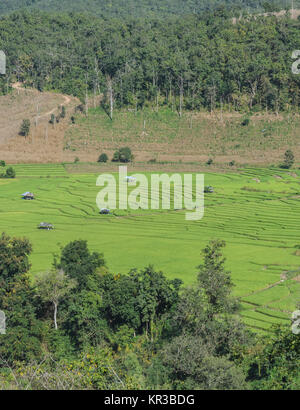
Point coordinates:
[[103, 158], [76, 160], [245, 122], [123, 155], [52, 119], [63, 112], [10, 173], [25, 128], [289, 159], [116, 156], [232, 163], [2, 163], [210, 161]]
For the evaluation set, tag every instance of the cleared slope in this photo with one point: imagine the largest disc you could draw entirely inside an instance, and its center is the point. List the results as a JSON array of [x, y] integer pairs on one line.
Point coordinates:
[[45, 141]]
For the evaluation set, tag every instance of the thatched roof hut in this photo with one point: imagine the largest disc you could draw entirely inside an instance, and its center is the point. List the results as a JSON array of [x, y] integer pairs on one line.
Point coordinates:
[[45, 225], [104, 211], [208, 190], [28, 195]]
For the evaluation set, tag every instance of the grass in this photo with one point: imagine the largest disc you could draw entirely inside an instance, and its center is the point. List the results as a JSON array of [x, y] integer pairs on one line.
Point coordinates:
[[254, 211], [195, 137]]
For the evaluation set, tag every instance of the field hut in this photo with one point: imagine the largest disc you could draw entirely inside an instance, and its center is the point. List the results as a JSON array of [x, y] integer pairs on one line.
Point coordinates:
[[104, 211], [130, 179], [208, 190], [28, 196], [45, 225]]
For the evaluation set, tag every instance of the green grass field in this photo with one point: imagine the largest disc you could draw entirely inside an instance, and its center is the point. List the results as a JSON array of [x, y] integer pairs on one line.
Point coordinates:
[[255, 211]]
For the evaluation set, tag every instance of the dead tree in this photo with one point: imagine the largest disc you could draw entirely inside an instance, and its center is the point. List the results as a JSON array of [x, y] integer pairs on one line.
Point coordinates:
[[110, 91]]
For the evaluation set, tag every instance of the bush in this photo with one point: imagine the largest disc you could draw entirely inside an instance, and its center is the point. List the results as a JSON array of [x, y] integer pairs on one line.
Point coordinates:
[[10, 173], [63, 112], [25, 128], [289, 159], [210, 161], [103, 158], [232, 163], [2, 163], [76, 160], [123, 155], [245, 122], [52, 119]]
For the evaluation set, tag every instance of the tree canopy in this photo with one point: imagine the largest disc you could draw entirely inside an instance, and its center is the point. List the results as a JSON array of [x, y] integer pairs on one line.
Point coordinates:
[[199, 61], [140, 8]]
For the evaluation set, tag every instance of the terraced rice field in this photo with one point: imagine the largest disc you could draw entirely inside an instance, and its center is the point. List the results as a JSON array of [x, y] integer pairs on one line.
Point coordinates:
[[256, 211]]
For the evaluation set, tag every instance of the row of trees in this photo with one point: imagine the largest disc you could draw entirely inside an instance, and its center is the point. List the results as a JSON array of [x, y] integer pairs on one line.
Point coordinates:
[[143, 8], [80, 326], [199, 61]]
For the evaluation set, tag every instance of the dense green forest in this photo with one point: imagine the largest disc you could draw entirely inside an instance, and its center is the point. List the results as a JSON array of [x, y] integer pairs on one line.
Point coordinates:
[[199, 61], [79, 326], [141, 8]]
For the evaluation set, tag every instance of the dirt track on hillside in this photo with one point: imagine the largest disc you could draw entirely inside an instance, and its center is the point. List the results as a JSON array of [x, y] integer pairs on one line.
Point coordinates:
[[67, 99], [45, 141]]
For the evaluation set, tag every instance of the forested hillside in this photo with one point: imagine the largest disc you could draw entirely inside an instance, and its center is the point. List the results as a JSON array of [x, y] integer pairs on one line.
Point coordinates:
[[195, 62], [140, 8]]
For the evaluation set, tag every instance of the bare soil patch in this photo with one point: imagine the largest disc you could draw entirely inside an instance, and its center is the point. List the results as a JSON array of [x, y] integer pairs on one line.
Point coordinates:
[[45, 142]]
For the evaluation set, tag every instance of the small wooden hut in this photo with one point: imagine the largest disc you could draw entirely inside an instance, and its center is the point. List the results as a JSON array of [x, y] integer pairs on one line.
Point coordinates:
[[28, 196], [45, 225], [104, 211]]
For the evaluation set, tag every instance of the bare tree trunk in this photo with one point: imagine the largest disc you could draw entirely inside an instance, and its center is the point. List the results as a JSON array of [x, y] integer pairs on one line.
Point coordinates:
[[94, 94], [253, 93], [86, 96], [181, 96], [55, 315], [111, 98], [221, 106], [213, 98], [96, 81]]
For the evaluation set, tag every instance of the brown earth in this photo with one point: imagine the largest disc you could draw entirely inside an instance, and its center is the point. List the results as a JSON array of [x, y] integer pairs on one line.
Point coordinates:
[[45, 142], [186, 143], [218, 136]]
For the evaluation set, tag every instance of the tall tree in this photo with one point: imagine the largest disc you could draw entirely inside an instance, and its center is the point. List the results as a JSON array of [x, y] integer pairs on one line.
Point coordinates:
[[214, 279], [53, 286]]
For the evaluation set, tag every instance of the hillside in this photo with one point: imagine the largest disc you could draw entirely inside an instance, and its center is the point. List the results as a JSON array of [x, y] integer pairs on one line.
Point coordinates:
[[190, 63], [139, 8], [45, 141], [159, 139], [163, 140], [180, 91]]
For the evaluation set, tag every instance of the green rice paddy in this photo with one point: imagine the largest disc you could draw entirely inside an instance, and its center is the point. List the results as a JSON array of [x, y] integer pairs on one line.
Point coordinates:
[[256, 211]]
